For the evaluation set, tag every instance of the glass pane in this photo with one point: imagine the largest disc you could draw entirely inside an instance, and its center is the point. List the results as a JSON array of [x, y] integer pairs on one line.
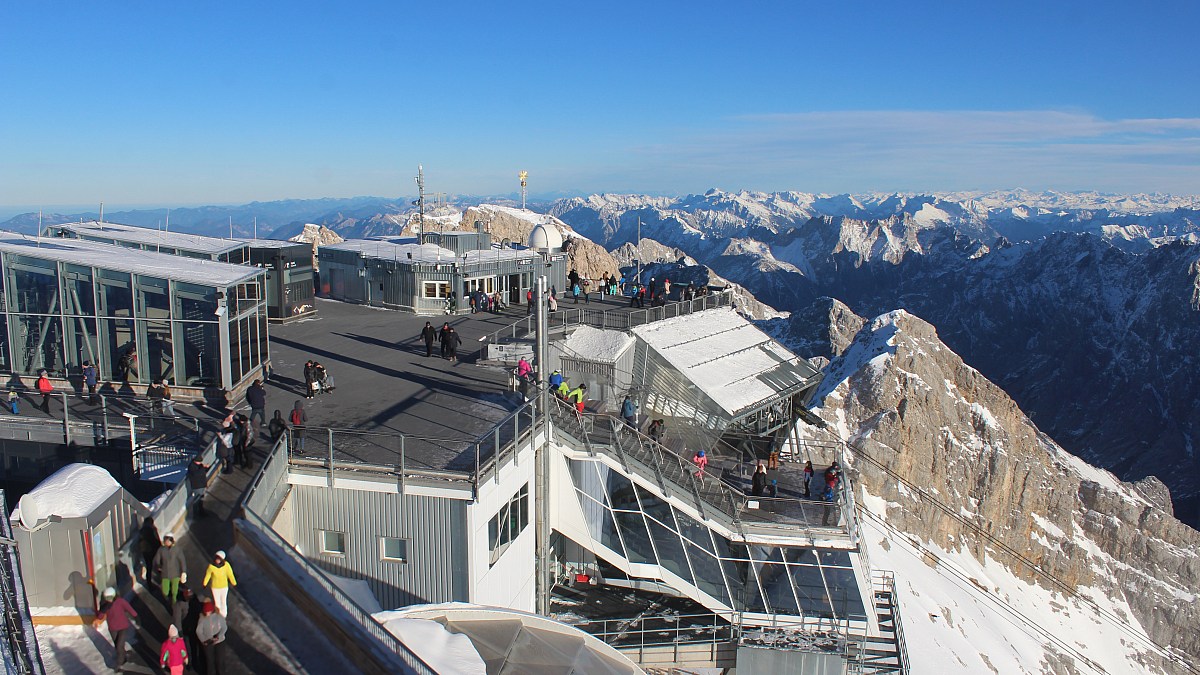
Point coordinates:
[[5, 363], [777, 587], [263, 347], [198, 354], [81, 341], [843, 592], [235, 361], [246, 344], [708, 574], [395, 549], [33, 284], [670, 550], [38, 344], [158, 363], [810, 587], [115, 293], [153, 298], [694, 532], [78, 297], [117, 350], [195, 303], [742, 584], [635, 536], [620, 492]]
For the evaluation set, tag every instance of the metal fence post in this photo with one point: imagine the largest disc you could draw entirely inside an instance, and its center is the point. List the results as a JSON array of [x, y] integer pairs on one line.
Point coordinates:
[[66, 419], [403, 468], [329, 434]]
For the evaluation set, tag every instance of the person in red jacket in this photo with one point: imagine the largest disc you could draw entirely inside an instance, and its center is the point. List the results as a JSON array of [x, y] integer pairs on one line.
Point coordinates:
[[119, 615], [174, 655], [45, 388]]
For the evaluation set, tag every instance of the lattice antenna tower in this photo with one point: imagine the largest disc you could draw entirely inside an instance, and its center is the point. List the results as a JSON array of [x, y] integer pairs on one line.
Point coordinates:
[[421, 198], [523, 176]]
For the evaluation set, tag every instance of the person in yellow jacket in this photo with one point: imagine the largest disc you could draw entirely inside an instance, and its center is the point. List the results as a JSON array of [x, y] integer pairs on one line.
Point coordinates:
[[576, 397], [219, 577]]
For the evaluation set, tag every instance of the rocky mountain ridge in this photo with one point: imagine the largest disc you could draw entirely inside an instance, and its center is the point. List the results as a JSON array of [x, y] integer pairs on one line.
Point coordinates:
[[1092, 572]]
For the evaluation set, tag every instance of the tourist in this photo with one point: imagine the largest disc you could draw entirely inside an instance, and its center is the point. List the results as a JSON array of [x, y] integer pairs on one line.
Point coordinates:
[[428, 334], [218, 578], [90, 378], [773, 460], [576, 396], [655, 430], [225, 447], [119, 615], [553, 301], [700, 459], [443, 339], [453, 342], [198, 482], [155, 394], [524, 369], [168, 403], [45, 388], [148, 545], [310, 380], [277, 427], [556, 378], [210, 630], [758, 483], [808, 476], [299, 419], [169, 564], [174, 655], [256, 398], [629, 412]]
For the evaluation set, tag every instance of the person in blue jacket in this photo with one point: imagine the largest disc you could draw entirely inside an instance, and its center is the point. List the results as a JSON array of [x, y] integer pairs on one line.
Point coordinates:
[[629, 412]]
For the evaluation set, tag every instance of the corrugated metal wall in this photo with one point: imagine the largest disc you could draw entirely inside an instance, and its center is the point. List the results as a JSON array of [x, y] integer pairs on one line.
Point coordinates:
[[434, 527]]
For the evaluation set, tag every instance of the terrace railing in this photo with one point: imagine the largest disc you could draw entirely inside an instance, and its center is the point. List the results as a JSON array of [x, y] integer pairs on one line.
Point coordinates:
[[608, 319], [679, 477]]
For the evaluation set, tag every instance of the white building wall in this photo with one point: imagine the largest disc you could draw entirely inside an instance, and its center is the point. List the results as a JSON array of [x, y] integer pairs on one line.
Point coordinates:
[[511, 581]]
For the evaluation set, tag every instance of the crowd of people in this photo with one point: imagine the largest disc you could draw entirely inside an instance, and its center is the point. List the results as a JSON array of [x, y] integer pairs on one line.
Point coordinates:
[[197, 630]]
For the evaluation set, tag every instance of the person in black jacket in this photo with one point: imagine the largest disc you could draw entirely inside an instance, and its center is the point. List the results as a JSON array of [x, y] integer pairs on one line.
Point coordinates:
[[278, 426], [198, 481], [428, 334], [758, 484], [450, 343]]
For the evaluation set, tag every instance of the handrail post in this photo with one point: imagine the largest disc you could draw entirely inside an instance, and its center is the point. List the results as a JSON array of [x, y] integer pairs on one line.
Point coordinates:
[[403, 468], [329, 436]]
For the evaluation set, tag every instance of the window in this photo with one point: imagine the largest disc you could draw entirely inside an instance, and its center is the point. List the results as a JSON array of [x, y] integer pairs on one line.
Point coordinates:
[[506, 525], [393, 550], [332, 543], [435, 289]]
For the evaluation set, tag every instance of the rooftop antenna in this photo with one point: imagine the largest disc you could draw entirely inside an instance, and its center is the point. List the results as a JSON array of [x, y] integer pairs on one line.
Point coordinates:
[[523, 175], [255, 228], [39, 234], [421, 198], [231, 227], [168, 227], [102, 212]]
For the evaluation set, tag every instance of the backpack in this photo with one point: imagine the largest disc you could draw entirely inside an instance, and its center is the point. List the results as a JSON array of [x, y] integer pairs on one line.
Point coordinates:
[[297, 417]]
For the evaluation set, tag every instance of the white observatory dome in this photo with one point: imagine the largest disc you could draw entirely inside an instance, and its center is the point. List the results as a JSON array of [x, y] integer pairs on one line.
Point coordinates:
[[545, 237]]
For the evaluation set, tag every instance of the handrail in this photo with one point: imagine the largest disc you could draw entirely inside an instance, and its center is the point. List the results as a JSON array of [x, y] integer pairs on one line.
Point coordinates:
[[612, 319], [361, 616]]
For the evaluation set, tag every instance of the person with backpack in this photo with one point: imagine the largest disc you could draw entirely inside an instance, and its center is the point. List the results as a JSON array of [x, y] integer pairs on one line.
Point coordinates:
[[556, 378], [45, 388], [524, 369], [169, 564]]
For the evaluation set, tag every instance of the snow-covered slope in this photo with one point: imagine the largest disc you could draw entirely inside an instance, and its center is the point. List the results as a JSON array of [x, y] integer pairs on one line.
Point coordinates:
[[1010, 554]]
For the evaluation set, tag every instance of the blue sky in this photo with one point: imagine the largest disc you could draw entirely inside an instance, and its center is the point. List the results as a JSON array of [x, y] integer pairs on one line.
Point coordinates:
[[176, 103]]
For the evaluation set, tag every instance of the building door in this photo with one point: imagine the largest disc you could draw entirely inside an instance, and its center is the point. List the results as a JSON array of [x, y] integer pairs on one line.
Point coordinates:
[[514, 289]]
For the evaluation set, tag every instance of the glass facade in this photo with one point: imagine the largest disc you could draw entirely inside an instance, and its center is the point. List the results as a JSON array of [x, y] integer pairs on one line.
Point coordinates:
[[137, 328], [642, 528]]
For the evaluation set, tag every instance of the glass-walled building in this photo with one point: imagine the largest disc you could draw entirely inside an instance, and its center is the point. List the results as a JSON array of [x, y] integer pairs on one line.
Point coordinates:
[[290, 288], [139, 316]]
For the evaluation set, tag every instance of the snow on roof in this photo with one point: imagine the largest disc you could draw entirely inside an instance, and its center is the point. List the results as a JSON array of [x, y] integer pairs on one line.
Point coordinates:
[[441, 650], [144, 235], [74, 491], [271, 243], [726, 357], [425, 253], [594, 344], [122, 259]]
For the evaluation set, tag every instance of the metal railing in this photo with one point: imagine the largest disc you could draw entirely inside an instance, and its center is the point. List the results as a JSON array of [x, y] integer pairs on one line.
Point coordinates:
[[263, 498], [662, 629], [609, 319], [678, 476], [19, 651]]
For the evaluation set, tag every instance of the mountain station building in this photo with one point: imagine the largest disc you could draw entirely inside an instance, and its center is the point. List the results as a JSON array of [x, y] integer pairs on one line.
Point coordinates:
[[421, 275], [289, 285]]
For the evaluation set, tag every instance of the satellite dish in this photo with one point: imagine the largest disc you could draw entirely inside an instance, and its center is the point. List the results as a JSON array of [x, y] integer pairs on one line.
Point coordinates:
[[30, 512]]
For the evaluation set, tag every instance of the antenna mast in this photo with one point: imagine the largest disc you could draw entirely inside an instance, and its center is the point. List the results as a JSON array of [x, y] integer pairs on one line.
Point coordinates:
[[523, 175], [421, 198], [102, 212]]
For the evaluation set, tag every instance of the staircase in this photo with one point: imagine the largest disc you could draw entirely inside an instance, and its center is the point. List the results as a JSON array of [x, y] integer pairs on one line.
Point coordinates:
[[885, 652]]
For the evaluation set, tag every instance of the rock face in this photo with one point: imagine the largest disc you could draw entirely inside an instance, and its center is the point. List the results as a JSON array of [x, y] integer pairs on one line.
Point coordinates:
[[318, 236], [932, 431], [825, 329]]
